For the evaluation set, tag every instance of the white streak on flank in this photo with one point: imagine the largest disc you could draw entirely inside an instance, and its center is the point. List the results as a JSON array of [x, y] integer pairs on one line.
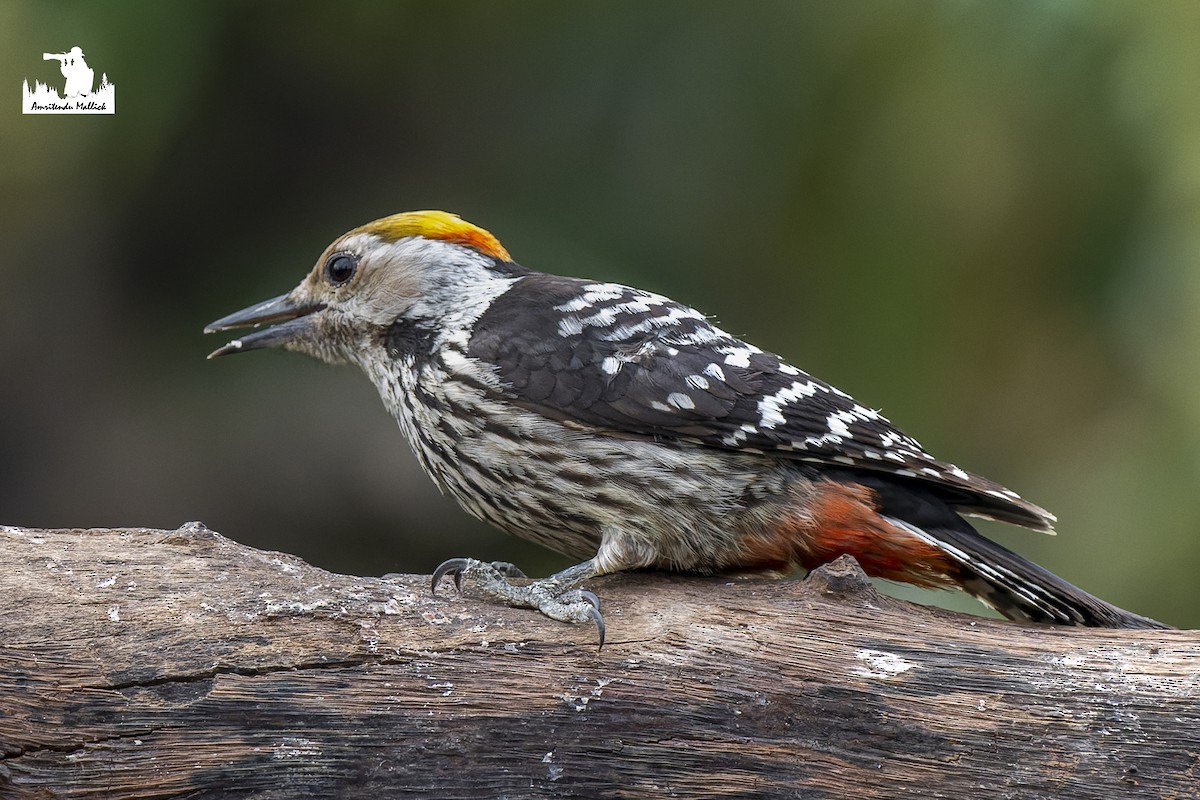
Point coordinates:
[[697, 381], [864, 413], [769, 416], [675, 315], [769, 408], [603, 318], [570, 326], [715, 371], [837, 420], [738, 358], [611, 365], [951, 550], [680, 400], [574, 304], [622, 333], [877, 664], [600, 292]]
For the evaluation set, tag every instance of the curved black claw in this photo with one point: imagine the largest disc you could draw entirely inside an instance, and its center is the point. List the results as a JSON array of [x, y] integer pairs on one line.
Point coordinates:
[[453, 566], [591, 598], [597, 618]]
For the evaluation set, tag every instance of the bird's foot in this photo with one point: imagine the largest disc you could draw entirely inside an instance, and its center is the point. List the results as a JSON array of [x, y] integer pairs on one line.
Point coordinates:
[[555, 596]]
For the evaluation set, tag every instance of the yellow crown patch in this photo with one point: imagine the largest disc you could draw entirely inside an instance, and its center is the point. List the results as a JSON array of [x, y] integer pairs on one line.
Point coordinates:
[[440, 225]]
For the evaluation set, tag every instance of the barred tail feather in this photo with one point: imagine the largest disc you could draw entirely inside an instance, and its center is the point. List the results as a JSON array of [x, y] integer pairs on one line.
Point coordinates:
[[1020, 589]]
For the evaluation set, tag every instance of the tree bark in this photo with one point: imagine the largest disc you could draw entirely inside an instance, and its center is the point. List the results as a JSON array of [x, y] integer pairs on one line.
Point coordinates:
[[168, 664]]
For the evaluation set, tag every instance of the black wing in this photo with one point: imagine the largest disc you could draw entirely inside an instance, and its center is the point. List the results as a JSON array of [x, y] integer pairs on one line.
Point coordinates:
[[632, 362]]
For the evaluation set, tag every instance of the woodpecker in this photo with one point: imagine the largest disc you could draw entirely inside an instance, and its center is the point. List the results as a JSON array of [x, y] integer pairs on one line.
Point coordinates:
[[624, 429]]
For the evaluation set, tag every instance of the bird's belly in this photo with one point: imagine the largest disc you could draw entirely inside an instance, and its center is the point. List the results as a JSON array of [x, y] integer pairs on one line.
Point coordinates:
[[573, 491], [579, 491]]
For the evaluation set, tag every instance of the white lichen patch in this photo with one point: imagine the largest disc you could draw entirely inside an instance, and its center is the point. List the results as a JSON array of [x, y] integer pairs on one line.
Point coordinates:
[[285, 566], [1121, 671], [878, 664], [114, 614], [55, 566], [575, 702], [285, 607], [397, 603], [579, 699], [295, 747], [1070, 661]]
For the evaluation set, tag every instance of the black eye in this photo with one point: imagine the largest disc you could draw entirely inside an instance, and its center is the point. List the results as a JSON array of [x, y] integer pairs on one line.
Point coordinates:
[[340, 268]]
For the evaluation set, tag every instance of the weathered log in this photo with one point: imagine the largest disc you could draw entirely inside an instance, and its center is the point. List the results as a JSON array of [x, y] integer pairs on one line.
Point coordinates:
[[160, 664]]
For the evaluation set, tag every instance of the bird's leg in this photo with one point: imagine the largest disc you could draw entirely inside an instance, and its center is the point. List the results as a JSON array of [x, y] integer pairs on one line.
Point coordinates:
[[556, 596]]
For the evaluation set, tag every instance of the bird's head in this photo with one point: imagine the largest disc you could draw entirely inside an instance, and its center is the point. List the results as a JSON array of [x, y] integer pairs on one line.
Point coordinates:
[[416, 267]]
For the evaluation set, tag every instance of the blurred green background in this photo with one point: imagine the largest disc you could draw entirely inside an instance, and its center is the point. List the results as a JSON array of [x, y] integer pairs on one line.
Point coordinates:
[[980, 217]]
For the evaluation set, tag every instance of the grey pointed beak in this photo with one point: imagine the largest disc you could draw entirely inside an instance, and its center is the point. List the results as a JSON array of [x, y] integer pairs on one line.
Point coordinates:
[[292, 318]]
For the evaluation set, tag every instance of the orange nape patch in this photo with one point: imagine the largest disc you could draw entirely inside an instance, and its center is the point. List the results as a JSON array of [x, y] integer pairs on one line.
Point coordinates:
[[440, 225], [841, 519]]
